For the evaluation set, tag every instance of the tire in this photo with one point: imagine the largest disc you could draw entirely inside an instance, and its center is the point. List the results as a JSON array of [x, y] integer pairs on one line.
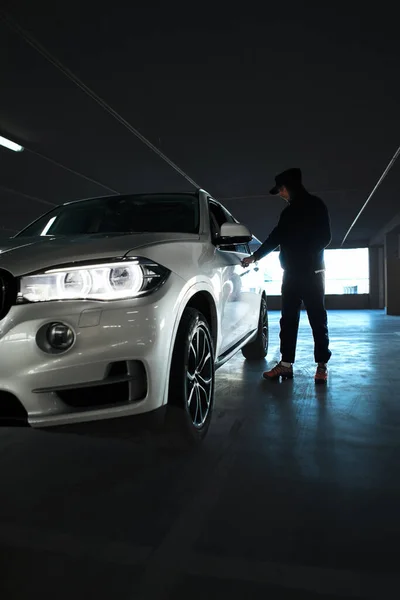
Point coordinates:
[[258, 348], [192, 379]]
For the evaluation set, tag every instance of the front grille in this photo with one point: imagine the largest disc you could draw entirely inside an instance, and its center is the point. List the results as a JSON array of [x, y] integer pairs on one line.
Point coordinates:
[[11, 410], [8, 292]]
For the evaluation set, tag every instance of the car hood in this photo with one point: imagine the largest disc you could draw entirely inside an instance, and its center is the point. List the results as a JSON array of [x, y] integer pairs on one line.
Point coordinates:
[[25, 255]]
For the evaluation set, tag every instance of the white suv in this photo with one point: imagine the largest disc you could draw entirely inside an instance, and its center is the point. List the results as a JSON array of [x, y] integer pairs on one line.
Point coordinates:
[[122, 305]]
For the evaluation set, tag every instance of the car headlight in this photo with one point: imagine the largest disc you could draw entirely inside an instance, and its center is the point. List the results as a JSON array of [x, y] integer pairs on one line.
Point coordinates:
[[114, 280]]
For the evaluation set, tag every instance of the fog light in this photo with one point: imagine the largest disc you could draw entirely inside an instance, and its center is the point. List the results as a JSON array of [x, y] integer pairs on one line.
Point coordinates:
[[60, 336]]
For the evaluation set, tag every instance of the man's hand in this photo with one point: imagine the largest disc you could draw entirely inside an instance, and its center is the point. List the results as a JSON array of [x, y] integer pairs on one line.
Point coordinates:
[[247, 261]]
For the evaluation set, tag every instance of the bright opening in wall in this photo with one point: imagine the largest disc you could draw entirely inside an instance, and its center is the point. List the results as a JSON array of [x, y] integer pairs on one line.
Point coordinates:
[[347, 272]]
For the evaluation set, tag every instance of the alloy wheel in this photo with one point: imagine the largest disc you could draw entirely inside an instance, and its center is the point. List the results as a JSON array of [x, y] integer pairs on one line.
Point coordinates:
[[264, 321], [199, 377]]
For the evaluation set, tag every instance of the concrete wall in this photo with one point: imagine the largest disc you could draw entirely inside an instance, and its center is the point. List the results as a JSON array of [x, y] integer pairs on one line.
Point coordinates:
[[377, 277], [342, 302], [392, 265]]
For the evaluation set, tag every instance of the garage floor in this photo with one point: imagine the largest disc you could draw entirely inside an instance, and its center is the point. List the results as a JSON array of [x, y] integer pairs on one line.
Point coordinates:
[[295, 493]]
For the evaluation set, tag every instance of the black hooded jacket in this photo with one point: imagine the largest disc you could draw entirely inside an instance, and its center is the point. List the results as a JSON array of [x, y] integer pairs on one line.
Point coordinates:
[[303, 232]]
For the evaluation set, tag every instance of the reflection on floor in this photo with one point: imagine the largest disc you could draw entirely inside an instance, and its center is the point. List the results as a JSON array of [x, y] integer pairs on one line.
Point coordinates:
[[295, 493]]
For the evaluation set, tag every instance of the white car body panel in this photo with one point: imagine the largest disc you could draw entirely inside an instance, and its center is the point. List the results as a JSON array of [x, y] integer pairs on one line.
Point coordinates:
[[138, 329]]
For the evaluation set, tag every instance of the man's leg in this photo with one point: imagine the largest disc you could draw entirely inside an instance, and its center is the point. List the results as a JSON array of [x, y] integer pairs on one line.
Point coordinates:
[[314, 300], [291, 307]]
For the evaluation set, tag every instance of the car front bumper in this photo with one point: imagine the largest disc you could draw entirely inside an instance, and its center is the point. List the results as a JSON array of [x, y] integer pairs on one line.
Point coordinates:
[[137, 333]]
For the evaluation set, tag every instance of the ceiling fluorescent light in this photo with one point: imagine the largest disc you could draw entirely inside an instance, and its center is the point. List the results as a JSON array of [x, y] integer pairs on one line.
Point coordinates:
[[10, 145]]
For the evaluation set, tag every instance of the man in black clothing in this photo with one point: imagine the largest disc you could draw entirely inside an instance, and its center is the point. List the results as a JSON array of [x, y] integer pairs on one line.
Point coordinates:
[[303, 232]]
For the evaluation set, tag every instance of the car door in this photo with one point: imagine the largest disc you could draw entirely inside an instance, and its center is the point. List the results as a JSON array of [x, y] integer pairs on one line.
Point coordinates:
[[256, 277], [236, 298], [251, 290]]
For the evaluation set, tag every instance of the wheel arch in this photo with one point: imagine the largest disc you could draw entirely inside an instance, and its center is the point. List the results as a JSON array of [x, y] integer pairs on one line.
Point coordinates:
[[202, 299], [204, 303]]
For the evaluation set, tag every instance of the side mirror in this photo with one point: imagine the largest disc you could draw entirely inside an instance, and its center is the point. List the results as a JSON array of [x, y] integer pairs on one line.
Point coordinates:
[[233, 233]]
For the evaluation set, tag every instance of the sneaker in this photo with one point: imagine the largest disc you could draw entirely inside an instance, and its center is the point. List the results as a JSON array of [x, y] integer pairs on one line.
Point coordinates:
[[279, 371], [321, 374]]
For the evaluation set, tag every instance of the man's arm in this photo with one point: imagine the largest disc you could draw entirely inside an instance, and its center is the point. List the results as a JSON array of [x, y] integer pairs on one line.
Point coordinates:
[[270, 244], [326, 234], [320, 231]]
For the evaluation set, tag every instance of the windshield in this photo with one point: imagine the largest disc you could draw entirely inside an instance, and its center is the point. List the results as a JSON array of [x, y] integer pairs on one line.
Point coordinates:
[[156, 213]]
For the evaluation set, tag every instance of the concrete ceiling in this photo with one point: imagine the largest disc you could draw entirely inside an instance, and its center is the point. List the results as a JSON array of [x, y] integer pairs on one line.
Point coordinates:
[[231, 102]]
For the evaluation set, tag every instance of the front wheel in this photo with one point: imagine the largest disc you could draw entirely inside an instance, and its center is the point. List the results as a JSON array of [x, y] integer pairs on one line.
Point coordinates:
[[192, 377], [258, 348]]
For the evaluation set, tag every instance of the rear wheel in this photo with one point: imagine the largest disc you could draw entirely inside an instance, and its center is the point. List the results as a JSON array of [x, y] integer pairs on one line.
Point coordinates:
[[191, 386], [258, 348]]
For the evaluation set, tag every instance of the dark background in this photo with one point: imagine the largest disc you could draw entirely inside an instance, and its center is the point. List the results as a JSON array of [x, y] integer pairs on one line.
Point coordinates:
[[231, 97]]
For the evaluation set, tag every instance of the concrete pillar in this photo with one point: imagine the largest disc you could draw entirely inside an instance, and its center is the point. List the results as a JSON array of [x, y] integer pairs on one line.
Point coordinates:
[[377, 277], [392, 268]]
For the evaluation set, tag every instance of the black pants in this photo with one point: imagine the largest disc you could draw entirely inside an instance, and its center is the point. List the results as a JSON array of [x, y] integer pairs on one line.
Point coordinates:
[[310, 289]]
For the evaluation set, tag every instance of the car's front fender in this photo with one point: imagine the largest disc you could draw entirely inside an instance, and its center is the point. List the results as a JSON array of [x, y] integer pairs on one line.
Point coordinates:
[[188, 292]]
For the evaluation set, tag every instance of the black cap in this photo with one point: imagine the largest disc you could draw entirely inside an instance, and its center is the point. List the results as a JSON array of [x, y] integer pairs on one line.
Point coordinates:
[[290, 179]]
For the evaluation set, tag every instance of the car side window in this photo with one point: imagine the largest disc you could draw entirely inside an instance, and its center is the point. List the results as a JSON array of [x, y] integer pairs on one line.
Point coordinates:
[[228, 216], [214, 227], [217, 219], [218, 213], [219, 216]]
